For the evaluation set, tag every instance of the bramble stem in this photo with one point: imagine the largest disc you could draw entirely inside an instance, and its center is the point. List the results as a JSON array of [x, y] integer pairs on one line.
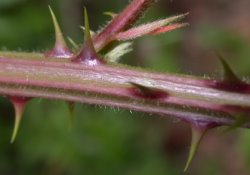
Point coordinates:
[[189, 98]]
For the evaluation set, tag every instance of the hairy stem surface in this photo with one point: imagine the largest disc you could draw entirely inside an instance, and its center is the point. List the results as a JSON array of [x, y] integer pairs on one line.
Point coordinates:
[[188, 98]]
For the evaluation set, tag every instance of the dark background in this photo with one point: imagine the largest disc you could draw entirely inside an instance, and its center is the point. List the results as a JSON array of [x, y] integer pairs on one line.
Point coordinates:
[[111, 141]]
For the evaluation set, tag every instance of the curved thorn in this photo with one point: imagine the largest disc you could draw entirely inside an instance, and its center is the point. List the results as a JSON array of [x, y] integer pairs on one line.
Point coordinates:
[[88, 54], [230, 82], [197, 135], [148, 92], [73, 44], [228, 74], [18, 117], [19, 106], [240, 120], [60, 49], [87, 35], [58, 31], [92, 33], [111, 14]]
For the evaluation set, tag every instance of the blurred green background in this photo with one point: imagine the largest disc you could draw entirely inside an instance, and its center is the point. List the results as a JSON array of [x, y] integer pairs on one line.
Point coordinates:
[[106, 141]]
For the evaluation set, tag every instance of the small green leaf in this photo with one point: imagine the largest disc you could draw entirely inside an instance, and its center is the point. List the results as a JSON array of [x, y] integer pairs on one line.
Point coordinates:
[[116, 53]]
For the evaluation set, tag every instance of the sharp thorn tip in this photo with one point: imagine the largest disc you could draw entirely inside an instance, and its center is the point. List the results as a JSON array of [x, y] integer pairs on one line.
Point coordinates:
[[197, 135]]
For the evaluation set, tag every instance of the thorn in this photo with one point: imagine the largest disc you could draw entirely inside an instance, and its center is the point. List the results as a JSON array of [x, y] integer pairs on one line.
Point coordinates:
[[228, 74], [197, 135], [230, 82], [111, 14], [148, 92], [88, 53], [19, 106], [239, 121], [71, 107], [73, 43], [92, 33], [60, 49]]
